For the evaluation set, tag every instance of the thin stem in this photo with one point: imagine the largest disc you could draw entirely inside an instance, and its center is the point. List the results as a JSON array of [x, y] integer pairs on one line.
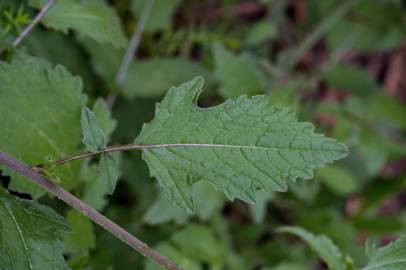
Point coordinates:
[[134, 42], [127, 147], [86, 210], [34, 22]]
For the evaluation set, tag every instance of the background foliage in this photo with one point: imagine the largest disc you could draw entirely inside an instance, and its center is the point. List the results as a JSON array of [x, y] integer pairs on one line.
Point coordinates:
[[338, 64]]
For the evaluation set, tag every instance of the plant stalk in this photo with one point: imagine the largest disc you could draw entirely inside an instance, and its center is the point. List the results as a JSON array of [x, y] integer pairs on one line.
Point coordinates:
[[134, 42], [34, 23], [86, 210]]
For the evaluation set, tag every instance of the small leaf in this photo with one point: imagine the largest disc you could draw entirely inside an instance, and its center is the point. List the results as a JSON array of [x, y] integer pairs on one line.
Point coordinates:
[[92, 18], [109, 171], [327, 250], [95, 190], [390, 257], [240, 146], [93, 136], [30, 235], [104, 118]]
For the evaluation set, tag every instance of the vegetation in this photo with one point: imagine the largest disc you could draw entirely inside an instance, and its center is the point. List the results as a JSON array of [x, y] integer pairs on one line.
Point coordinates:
[[188, 124]]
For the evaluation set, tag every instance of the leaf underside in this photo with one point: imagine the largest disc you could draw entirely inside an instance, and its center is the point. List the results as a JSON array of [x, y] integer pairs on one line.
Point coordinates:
[[240, 146]]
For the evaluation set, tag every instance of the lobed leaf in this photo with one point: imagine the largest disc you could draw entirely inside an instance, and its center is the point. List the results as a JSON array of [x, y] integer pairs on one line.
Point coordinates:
[[240, 146]]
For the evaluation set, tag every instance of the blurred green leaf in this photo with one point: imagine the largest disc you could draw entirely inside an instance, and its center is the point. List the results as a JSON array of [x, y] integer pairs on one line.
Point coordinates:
[[338, 178], [93, 18], [81, 238], [160, 17], [260, 32], [352, 79], [237, 74], [327, 250]]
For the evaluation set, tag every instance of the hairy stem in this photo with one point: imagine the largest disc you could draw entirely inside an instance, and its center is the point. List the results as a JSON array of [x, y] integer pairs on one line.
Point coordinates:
[[134, 42], [34, 22], [86, 210]]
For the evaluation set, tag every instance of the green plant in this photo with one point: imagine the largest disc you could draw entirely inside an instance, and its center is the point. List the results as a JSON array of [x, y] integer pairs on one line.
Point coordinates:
[[208, 150]]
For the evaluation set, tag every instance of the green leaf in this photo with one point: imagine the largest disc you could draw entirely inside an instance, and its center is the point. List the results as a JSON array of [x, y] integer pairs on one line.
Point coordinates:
[[258, 210], [327, 250], [288, 266], [208, 201], [161, 212], [338, 178], [161, 12], [390, 257], [175, 255], [92, 18], [200, 243], [261, 32], [352, 79], [93, 135], [109, 171], [30, 235], [237, 74], [81, 238], [39, 111], [240, 146], [191, 246], [95, 190], [162, 73], [104, 118]]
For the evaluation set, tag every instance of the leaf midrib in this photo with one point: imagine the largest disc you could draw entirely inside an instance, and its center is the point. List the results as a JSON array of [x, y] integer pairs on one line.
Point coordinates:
[[166, 145]]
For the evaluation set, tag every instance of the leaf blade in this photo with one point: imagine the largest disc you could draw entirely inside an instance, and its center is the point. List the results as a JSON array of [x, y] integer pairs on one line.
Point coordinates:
[[236, 145], [43, 116], [109, 171], [93, 135], [392, 256], [93, 18], [33, 235]]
